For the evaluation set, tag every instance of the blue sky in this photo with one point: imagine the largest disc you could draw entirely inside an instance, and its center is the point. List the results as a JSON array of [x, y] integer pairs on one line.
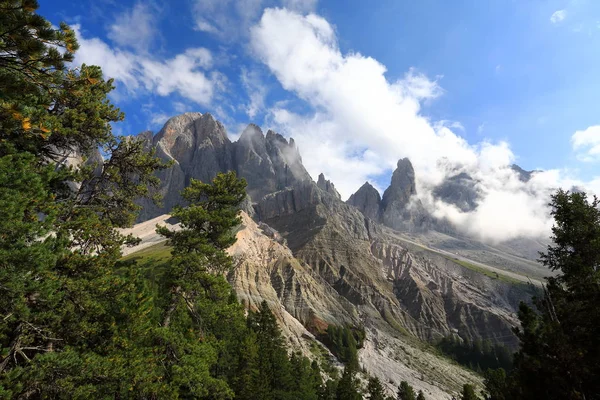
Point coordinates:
[[362, 84]]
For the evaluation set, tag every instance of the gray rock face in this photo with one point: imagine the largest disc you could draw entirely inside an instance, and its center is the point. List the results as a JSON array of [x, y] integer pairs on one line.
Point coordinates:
[[199, 148], [401, 189], [524, 176], [399, 208], [395, 210], [327, 186], [367, 200], [458, 190]]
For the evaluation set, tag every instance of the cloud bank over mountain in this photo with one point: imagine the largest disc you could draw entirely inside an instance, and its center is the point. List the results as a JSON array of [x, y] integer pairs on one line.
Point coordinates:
[[356, 122], [363, 123]]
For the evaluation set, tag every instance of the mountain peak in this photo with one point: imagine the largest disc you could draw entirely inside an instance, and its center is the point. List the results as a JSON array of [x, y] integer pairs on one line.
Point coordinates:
[[367, 200], [327, 186], [402, 186]]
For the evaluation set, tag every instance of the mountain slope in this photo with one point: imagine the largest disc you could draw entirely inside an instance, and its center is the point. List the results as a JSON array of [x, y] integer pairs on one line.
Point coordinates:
[[318, 261]]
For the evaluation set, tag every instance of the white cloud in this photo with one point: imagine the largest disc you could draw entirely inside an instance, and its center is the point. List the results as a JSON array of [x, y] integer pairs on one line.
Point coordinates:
[[558, 16], [256, 91], [480, 128], [158, 119], [115, 63], [186, 74], [182, 107], [362, 123], [449, 124], [587, 144], [135, 28], [181, 75]]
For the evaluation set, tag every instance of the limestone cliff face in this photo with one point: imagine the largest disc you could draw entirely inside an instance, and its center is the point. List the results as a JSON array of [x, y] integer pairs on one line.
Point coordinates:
[[327, 186], [399, 208], [199, 148], [368, 201], [401, 189], [317, 260], [458, 190], [381, 276]]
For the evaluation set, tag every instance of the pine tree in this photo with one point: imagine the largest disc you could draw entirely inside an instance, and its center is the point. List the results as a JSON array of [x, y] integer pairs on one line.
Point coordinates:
[[199, 297], [375, 389], [559, 356], [421, 395], [60, 295], [406, 391], [468, 393], [348, 386]]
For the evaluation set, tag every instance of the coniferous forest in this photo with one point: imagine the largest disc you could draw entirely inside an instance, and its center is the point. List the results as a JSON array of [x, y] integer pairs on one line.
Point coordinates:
[[77, 321]]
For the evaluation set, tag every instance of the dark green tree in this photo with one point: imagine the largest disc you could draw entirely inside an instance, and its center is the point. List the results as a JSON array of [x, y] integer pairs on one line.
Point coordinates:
[[406, 391], [375, 389], [274, 368], [468, 393], [496, 385], [200, 301], [60, 205], [559, 356], [421, 395], [348, 387]]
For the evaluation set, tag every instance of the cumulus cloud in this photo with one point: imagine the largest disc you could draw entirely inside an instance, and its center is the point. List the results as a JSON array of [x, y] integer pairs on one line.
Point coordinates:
[[256, 91], [362, 123], [587, 144], [558, 16], [135, 28], [187, 74]]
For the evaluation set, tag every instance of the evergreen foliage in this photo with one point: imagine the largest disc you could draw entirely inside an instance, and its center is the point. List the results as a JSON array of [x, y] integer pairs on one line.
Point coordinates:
[[348, 388], [375, 389], [78, 323], [468, 393], [61, 298], [477, 355], [559, 356], [344, 343], [406, 391]]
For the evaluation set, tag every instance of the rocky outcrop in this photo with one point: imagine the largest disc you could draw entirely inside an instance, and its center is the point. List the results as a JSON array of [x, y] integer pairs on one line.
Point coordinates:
[[399, 208], [389, 280], [368, 201], [395, 211], [524, 176], [327, 186], [458, 190], [317, 260], [402, 187], [198, 147]]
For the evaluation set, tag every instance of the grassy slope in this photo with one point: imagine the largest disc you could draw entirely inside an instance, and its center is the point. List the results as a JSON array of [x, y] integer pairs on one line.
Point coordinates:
[[158, 253]]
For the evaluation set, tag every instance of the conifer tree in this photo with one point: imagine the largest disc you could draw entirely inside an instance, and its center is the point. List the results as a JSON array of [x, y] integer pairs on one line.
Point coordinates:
[[468, 393], [559, 355], [406, 391], [348, 386], [421, 395], [375, 389], [59, 291]]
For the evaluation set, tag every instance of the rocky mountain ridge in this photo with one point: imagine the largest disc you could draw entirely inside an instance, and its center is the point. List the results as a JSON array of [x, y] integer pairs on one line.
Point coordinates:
[[318, 260], [199, 148]]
